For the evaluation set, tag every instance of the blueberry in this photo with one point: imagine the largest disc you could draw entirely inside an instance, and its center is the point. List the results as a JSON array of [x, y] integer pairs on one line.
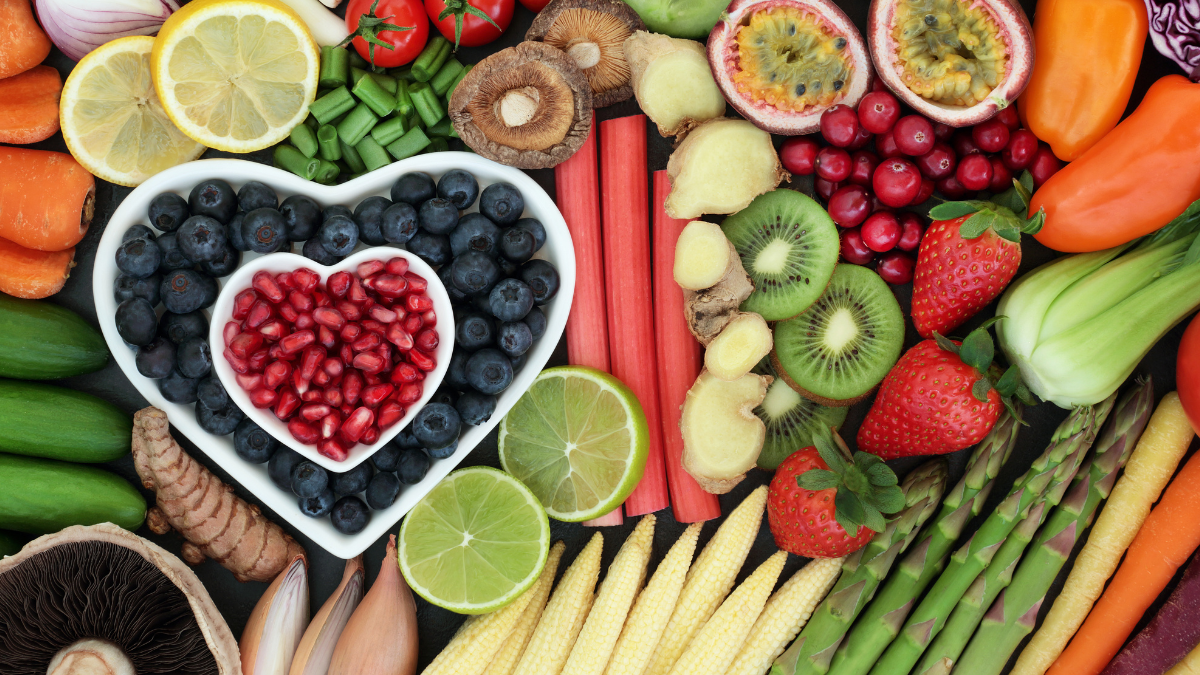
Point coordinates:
[[201, 238], [542, 279], [353, 481], [179, 328], [369, 216], [436, 425], [475, 408], [138, 231], [136, 321], [157, 359], [339, 235], [186, 291], [383, 490], [514, 338], [315, 507], [219, 422], [211, 392], [223, 266], [314, 251], [489, 371], [502, 203], [302, 216], [177, 388], [413, 188], [536, 320], [256, 195], [443, 453], [387, 457], [168, 211], [518, 361], [508, 268], [445, 395], [510, 300], [446, 275], [308, 479], [253, 444], [474, 272], [475, 331], [535, 226], [432, 248], [172, 257], [281, 465], [237, 238], [414, 464], [437, 216], [195, 358], [459, 187], [138, 257], [264, 230], [456, 372], [214, 198], [350, 515], [336, 210], [399, 223], [474, 232], [126, 287], [517, 244]]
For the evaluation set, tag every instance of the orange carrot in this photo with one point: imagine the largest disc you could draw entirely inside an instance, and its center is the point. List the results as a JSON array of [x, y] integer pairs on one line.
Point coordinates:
[[1167, 539], [23, 45], [46, 198], [29, 105], [29, 274]]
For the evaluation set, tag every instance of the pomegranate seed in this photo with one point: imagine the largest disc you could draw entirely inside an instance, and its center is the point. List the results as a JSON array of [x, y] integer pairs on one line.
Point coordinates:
[[237, 363], [390, 285], [333, 396], [249, 381], [346, 354], [300, 384], [326, 337], [885, 145], [896, 182], [863, 165], [963, 145], [350, 332], [258, 360], [373, 379], [396, 265], [263, 283], [321, 300], [242, 302], [349, 310], [297, 341], [1009, 117], [287, 404], [332, 367], [924, 193], [339, 284], [839, 125], [413, 323], [369, 268], [896, 268], [357, 423], [878, 112], [938, 162], [245, 344], [276, 373], [330, 448], [974, 172], [229, 332], [352, 385], [320, 378], [427, 340], [284, 279], [421, 360], [276, 354], [303, 431], [418, 303], [272, 330], [389, 413], [951, 188], [409, 393], [429, 319], [368, 362], [942, 132], [304, 321], [913, 135], [315, 411], [1021, 148], [302, 302], [312, 396], [367, 342], [850, 205], [374, 326], [329, 317], [1043, 166], [373, 395], [405, 373], [1002, 178], [305, 280], [799, 155], [854, 251], [911, 230], [370, 435], [382, 314], [399, 337], [259, 313], [824, 188], [263, 398], [833, 164], [356, 294], [332, 423], [311, 360], [990, 136], [288, 313]]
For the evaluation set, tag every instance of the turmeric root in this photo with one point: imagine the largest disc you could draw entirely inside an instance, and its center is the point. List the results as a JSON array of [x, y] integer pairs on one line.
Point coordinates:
[[215, 522]]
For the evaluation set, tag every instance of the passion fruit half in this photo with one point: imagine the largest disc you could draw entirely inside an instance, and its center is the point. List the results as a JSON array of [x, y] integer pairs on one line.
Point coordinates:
[[957, 62], [781, 63]]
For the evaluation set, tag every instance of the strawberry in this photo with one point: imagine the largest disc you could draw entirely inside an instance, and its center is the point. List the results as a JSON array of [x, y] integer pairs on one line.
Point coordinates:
[[825, 503], [968, 256]]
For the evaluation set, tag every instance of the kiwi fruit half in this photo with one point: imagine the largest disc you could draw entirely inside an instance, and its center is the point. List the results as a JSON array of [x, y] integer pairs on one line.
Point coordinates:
[[791, 419], [789, 247], [840, 349]]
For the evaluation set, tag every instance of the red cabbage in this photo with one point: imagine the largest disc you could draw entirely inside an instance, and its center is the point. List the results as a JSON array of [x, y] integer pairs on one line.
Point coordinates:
[[1175, 29]]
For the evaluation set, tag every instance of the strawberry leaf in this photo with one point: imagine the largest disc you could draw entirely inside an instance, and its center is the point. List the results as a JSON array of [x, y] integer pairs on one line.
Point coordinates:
[[1023, 187], [849, 512], [945, 343], [976, 225], [881, 475], [818, 479], [1034, 224], [981, 388], [838, 458], [874, 520], [889, 499], [977, 350], [952, 210], [1007, 384]]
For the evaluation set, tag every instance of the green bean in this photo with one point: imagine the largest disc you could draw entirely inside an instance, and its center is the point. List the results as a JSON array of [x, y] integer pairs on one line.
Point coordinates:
[[404, 73], [376, 97], [428, 106], [404, 104], [409, 144], [461, 75], [435, 53], [386, 81], [357, 124], [442, 128], [335, 67], [389, 130], [312, 122], [445, 77], [356, 60], [327, 142], [331, 105], [305, 141], [291, 159], [356, 76], [438, 145], [373, 156], [327, 172], [351, 157]]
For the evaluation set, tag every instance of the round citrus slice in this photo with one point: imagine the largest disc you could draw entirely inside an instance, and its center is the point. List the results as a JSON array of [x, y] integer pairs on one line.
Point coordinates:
[[112, 120], [578, 439], [477, 541], [236, 75]]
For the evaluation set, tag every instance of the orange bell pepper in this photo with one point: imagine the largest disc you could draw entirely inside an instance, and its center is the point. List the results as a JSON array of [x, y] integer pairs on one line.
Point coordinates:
[[1136, 179], [1088, 53]]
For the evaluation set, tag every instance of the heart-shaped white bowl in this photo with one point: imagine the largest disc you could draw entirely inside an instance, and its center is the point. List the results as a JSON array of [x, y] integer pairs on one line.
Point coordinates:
[[275, 263], [219, 449]]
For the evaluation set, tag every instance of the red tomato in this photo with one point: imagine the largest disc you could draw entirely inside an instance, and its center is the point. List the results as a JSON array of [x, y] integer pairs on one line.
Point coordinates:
[[475, 30], [535, 5], [407, 44], [1187, 372]]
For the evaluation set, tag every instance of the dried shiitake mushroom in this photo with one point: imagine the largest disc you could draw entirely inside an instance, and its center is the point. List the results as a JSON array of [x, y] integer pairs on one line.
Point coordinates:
[[100, 599], [527, 106], [591, 32]]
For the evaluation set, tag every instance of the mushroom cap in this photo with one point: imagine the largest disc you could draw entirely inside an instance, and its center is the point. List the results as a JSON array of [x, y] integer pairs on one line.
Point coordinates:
[[600, 54], [106, 583]]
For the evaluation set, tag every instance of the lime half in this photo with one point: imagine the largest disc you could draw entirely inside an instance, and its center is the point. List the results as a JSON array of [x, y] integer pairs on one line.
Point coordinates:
[[578, 439], [477, 541]]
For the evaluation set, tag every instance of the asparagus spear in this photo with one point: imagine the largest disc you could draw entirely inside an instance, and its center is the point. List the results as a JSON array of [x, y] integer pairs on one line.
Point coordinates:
[[1014, 613], [883, 616], [862, 572], [1046, 481]]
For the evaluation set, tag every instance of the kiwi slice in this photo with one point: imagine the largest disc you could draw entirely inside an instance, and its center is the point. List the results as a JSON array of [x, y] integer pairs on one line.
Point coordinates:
[[840, 349], [789, 247], [791, 419]]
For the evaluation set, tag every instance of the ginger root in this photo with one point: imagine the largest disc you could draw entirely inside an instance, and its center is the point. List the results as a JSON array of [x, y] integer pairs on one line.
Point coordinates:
[[740, 346], [714, 282], [721, 167], [722, 437], [215, 522], [672, 81]]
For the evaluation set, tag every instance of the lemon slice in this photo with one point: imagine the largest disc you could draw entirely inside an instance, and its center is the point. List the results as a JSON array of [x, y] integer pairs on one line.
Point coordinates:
[[236, 75], [112, 120]]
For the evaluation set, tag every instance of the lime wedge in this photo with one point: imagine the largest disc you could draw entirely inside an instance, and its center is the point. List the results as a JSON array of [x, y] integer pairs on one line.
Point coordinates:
[[578, 439], [477, 541]]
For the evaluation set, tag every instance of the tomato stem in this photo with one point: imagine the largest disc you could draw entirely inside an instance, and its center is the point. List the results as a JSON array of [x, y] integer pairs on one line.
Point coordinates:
[[458, 8], [369, 27]]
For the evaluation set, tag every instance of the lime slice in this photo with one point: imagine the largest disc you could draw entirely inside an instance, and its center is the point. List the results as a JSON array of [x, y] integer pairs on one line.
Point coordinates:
[[578, 439], [477, 541]]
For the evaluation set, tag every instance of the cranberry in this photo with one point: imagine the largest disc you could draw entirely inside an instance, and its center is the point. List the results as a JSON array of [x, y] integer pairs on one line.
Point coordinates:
[[990, 136], [839, 125], [942, 132], [951, 188], [881, 231], [863, 165], [911, 230], [854, 251], [938, 162], [860, 141], [914, 135], [833, 164], [896, 267], [885, 145], [896, 182], [963, 145], [850, 205], [1009, 117], [974, 172], [1044, 165], [1021, 148], [799, 155], [1002, 178], [926, 191], [825, 188], [878, 112]]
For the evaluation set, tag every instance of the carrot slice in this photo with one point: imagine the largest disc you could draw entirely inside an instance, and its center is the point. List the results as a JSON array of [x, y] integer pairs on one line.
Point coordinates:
[[29, 274], [23, 45], [29, 105], [46, 199]]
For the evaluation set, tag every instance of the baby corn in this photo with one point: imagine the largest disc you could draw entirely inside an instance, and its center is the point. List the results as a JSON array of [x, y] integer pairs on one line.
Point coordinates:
[[505, 661], [564, 615]]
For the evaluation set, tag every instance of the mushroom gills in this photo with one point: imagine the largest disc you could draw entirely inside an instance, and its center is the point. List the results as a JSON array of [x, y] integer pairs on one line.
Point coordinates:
[[791, 60], [529, 107], [593, 41], [949, 52], [91, 657]]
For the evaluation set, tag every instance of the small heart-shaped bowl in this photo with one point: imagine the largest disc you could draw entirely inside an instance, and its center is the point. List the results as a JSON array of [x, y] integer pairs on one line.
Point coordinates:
[[276, 263]]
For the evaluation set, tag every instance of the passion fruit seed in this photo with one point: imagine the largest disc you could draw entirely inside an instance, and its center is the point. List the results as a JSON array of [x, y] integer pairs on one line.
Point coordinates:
[[948, 51], [790, 60]]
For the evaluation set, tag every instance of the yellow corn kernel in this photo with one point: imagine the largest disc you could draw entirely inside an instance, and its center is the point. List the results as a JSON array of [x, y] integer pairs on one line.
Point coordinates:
[[653, 608], [785, 614], [551, 642], [719, 641], [592, 650], [505, 660], [709, 580]]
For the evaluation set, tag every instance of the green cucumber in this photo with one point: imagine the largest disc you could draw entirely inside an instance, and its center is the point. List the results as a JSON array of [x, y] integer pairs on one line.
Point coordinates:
[[11, 542], [39, 496], [42, 341], [41, 420]]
